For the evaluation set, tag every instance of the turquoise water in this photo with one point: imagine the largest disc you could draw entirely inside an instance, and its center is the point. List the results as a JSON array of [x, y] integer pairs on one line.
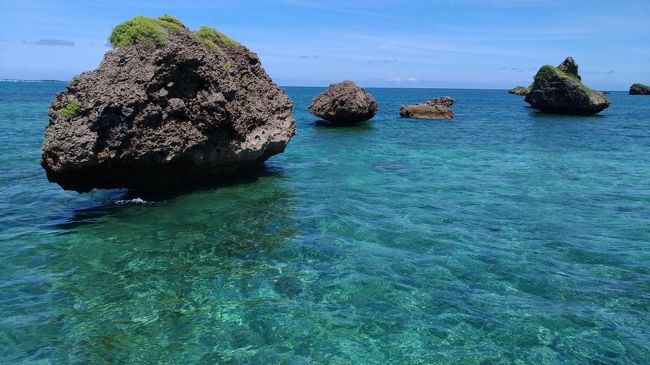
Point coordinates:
[[502, 237]]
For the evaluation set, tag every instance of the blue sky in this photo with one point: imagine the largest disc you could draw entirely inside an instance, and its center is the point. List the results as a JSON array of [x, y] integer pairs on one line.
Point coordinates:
[[386, 43]]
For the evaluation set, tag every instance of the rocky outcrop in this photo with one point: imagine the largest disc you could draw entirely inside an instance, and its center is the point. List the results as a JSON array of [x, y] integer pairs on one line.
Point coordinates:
[[166, 106], [433, 109], [519, 90], [569, 66], [344, 103], [559, 92], [639, 89]]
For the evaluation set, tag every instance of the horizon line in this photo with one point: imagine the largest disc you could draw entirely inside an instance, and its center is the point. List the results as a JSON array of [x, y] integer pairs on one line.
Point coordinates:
[[323, 86]]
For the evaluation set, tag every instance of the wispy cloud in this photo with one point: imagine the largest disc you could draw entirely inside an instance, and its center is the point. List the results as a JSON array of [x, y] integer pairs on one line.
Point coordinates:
[[598, 72], [393, 60], [338, 8], [514, 69], [511, 3], [400, 80], [428, 45], [52, 42]]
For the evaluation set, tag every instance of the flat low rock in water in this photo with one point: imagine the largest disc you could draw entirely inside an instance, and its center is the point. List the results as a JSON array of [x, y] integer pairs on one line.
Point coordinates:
[[179, 111], [519, 90], [433, 109]]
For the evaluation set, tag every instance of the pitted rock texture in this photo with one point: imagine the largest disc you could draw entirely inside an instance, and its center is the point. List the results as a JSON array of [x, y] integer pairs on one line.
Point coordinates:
[[559, 92], [166, 114], [344, 103], [433, 109]]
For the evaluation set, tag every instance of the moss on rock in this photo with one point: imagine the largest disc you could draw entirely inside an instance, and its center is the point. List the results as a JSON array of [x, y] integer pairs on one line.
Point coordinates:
[[171, 22], [213, 38], [144, 30], [153, 32], [547, 71], [70, 109]]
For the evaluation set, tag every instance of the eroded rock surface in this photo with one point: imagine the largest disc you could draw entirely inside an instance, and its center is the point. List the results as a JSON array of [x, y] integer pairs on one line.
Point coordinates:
[[438, 108], [184, 107]]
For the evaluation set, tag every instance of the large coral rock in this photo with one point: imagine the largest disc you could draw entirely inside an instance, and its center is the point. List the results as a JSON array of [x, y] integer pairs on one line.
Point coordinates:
[[559, 92], [437, 108], [171, 109], [344, 103]]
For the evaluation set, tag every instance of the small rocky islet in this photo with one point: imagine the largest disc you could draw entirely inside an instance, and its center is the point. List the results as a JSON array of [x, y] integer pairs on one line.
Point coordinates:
[[171, 106], [166, 106], [559, 90], [344, 103], [519, 90], [639, 89]]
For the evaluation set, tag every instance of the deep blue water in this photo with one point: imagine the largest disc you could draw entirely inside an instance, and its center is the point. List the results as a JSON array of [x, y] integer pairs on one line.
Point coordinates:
[[503, 236]]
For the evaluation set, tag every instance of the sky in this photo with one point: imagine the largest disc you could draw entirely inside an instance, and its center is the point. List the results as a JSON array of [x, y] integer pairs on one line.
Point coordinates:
[[494, 44]]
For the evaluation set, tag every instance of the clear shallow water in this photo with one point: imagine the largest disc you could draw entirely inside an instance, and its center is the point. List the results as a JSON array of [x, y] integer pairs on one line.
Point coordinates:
[[504, 236]]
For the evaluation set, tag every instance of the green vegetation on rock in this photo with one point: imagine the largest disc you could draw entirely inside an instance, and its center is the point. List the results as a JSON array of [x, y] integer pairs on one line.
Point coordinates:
[[69, 110], [171, 22], [213, 38], [640, 86], [153, 31], [548, 71], [144, 30]]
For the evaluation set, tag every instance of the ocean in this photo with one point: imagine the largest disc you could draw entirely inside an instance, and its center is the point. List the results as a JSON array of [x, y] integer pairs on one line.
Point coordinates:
[[504, 236]]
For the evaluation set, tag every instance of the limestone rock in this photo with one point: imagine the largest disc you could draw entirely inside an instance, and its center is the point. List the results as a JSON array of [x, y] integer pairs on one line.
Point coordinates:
[[639, 89], [168, 106], [433, 109], [519, 90], [559, 92], [344, 103]]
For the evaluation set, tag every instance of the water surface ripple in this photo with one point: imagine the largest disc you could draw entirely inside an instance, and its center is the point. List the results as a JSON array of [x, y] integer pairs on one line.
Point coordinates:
[[503, 236]]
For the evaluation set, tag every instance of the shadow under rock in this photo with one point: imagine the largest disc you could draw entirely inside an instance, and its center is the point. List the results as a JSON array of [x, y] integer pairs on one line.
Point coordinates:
[[118, 199], [187, 271], [329, 125], [537, 114]]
